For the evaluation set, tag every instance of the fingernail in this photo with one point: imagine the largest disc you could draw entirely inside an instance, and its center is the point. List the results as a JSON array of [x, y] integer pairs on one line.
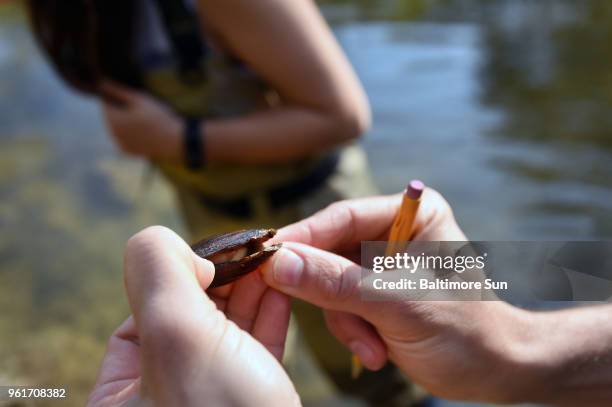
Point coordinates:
[[288, 268], [362, 350]]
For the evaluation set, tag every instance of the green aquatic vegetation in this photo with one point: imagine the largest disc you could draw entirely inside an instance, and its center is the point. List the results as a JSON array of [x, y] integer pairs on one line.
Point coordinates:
[[61, 288]]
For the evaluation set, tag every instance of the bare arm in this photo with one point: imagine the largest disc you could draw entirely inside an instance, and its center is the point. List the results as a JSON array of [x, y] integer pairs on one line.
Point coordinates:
[[288, 44], [572, 351], [466, 350]]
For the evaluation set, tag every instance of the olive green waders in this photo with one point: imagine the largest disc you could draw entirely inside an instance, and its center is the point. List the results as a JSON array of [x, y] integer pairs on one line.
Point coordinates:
[[231, 91]]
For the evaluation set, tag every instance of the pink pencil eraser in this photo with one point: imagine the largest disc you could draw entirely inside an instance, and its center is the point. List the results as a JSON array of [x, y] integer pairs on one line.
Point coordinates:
[[414, 190]]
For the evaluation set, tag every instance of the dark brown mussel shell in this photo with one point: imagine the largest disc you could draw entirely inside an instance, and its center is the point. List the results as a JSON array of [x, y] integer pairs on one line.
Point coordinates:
[[224, 245]]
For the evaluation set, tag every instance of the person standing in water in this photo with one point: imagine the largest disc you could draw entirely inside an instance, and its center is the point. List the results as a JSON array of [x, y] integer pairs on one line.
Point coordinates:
[[249, 109]]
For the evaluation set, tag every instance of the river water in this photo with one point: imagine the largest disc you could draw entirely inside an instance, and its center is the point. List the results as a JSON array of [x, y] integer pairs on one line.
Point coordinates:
[[502, 106], [493, 107]]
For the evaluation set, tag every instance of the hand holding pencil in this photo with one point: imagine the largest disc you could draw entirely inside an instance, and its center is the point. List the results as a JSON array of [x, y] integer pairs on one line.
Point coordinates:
[[400, 234]]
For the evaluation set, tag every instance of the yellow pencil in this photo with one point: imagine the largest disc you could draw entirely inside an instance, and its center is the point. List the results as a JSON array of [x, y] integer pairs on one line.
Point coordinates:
[[401, 232]]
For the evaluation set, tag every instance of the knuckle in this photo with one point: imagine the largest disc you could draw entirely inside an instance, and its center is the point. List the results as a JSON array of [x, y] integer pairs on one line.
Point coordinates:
[[165, 334], [336, 283], [336, 206], [148, 239], [340, 217], [152, 248], [338, 212], [442, 203]]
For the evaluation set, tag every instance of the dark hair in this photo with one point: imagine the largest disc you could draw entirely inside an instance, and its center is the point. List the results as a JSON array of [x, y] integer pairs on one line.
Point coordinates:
[[87, 40]]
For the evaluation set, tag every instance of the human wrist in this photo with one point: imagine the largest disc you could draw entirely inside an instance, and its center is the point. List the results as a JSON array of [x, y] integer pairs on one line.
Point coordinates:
[[557, 357], [576, 350], [524, 368], [170, 146]]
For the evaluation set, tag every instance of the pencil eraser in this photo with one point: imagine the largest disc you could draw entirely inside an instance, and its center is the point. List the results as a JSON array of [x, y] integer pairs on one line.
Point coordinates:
[[415, 189]]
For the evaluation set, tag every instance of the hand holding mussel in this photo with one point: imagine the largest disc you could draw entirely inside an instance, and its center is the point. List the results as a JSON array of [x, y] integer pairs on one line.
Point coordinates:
[[236, 254]]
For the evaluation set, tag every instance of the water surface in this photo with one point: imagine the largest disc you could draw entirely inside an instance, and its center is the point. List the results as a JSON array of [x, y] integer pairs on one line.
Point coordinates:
[[502, 106]]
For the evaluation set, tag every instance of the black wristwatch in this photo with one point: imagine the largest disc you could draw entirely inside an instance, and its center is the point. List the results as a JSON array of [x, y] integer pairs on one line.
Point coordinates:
[[194, 144]]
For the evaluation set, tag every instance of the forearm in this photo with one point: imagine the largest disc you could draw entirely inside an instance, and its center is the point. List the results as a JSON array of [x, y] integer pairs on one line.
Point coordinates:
[[295, 53], [277, 135], [568, 354]]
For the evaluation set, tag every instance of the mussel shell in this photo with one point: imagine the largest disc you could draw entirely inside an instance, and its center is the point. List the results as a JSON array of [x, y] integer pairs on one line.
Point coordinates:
[[228, 272], [231, 241]]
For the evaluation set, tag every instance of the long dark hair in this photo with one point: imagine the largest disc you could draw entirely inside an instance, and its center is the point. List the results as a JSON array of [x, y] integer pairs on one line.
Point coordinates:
[[87, 40]]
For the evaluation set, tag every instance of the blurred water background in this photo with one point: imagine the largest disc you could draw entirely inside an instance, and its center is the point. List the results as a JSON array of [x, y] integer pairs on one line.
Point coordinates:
[[504, 106]]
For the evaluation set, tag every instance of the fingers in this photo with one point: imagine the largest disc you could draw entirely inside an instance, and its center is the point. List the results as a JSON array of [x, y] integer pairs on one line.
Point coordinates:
[[221, 295], [163, 276], [244, 302], [359, 336], [117, 94], [259, 310], [121, 358], [127, 331], [177, 323], [321, 278], [270, 327], [117, 101], [435, 220], [187, 347], [331, 282], [343, 225]]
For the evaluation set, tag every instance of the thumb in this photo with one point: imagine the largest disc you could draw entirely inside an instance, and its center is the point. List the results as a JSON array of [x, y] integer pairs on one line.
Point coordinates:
[[164, 281], [316, 276], [159, 263], [204, 270]]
